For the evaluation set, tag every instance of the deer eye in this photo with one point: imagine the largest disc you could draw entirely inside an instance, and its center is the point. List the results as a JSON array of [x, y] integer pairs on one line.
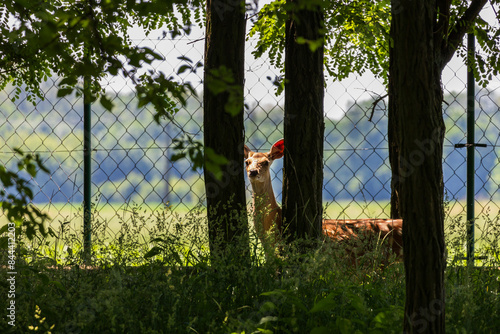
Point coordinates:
[[247, 162], [265, 163]]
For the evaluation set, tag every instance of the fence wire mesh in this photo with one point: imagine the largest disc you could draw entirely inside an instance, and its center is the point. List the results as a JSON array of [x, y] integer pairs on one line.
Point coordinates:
[[130, 155]]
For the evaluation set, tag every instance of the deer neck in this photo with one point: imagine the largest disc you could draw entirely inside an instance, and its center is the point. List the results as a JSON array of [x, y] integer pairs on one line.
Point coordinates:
[[265, 207]]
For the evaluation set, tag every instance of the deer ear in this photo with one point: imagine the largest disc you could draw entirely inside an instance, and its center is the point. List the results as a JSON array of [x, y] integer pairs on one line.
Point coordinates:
[[278, 149], [248, 152]]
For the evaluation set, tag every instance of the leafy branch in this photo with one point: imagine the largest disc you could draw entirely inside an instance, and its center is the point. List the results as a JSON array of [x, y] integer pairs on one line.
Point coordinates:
[[16, 204]]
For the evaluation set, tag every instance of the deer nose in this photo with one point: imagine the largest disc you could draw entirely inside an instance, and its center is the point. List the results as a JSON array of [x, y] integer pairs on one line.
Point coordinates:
[[254, 172]]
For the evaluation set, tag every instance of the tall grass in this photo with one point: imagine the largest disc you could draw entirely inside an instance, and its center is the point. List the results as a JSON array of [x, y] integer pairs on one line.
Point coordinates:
[[154, 274]]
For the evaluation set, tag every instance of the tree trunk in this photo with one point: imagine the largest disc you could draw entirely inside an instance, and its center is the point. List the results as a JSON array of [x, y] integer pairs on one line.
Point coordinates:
[[304, 124], [223, 130], [416, 114], [392, 131]]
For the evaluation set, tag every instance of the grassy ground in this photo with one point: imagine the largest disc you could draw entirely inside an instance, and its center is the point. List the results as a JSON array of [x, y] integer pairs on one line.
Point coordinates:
[[154, 274], [109, 220], [114, 215]]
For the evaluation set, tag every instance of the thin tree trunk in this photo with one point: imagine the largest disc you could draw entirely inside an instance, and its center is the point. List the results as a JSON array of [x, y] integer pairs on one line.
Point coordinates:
[[392, 131], [304, 124], [415, 76], [224, 131]]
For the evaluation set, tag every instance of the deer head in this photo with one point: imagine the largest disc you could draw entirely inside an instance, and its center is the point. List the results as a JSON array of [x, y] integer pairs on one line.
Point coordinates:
[[257, 164]]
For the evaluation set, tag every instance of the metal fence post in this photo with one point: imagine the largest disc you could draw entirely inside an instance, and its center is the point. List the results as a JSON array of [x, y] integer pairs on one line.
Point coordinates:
[[87, 152], [471, 149]]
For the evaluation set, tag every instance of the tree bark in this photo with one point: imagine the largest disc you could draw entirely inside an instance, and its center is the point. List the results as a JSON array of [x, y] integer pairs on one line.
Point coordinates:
[[304, 123], [224, 131], [392, 133], [416, 116], [424, 39]]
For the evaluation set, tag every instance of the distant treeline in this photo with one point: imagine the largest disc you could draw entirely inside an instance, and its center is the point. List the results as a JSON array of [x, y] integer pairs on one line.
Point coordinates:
[[131, 152]]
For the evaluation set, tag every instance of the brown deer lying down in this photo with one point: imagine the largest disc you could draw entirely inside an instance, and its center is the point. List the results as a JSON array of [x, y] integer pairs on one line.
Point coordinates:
[[352, 232]]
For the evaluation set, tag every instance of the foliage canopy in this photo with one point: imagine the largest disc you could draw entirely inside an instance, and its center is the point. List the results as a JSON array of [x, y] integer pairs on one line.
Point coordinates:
[[83, 39], [357, 37], [77, 39]]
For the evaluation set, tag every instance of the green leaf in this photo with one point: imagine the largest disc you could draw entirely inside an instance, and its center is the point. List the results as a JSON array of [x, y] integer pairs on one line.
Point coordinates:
[[183, 69], [184, 58], [264, 331], [153, 252], [68, 81], [213, 162], [214, 169], [325, 304], [301, 40], [276, 292], [4, 228], [58, 285], [380, 319], [31, 169], [4, 242], [321, 330], [217, 159], [62, 92], [106, 103], [177, 156], [344, 325], [267, 307], [357, 302]]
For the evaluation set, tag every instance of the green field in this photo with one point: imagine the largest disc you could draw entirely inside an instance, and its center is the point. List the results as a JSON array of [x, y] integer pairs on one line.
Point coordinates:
[[113, 215]]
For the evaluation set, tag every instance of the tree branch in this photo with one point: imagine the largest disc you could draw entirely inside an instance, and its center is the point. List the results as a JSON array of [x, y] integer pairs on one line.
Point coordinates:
[[374, 105], [458, 31], [443, 22]]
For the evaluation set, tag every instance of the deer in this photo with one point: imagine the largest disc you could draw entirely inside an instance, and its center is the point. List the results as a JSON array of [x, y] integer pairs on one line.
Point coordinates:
[[267, 213]]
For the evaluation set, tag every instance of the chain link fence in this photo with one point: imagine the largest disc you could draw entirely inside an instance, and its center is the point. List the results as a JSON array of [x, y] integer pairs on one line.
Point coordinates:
[[130, 152]]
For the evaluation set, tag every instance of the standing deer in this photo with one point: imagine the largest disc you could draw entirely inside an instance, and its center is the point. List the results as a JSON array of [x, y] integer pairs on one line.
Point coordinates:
[[268, 213]]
